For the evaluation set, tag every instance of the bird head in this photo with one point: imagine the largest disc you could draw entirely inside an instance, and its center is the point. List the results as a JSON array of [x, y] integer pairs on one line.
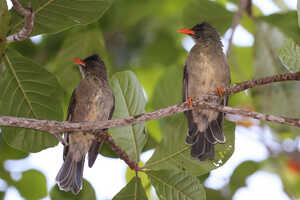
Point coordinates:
[[202, 32], [92, 65]]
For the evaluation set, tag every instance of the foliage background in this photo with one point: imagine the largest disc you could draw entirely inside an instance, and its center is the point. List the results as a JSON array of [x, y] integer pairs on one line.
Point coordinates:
[[139, 43]]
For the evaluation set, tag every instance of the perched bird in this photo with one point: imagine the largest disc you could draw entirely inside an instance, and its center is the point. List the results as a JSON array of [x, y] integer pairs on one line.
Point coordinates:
[[92, 100], [205, 70]]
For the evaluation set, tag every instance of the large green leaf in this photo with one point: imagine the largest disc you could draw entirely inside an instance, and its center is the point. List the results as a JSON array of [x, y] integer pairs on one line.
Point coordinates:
[[284, 96], [80, 43], [28, 90], [4, 26], [56, 15], [129, 101], [8, 152], [173, 153], [289, 54], [32, 185], [176, 185], [286, 22], [197, 11], [132, 191], [87, 193]]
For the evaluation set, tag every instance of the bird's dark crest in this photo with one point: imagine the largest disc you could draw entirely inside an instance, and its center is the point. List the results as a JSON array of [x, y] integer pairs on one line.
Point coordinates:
[[94, 57], [201, 27]]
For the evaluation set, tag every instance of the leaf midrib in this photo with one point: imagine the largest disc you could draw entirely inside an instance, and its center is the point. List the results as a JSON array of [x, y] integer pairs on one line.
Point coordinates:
[[169, 185], [133, 135], [10, 65]]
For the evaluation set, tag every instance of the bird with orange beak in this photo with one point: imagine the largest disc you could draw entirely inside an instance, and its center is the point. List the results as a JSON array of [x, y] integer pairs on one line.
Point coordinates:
[[206, 69], [92, 100]]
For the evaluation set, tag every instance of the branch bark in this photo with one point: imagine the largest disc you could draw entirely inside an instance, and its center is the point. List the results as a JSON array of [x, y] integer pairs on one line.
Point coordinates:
[[56, 127], [28, 22]]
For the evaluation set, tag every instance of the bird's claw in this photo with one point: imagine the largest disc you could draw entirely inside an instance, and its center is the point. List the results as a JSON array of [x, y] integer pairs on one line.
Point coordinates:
[[220, 91], [190, 102]]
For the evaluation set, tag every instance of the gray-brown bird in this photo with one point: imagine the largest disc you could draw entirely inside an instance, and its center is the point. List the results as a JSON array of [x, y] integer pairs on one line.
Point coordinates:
[[205, 70], [92, 100]]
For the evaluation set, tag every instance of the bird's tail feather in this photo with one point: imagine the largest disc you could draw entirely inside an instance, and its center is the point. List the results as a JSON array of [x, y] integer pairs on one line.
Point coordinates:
[[203, 142], [94, 150], [70, 174]]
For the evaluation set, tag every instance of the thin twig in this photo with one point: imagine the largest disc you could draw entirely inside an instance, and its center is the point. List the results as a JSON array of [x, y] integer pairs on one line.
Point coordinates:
[[122, 154], [55, 126], [28, 22], [236, 20]]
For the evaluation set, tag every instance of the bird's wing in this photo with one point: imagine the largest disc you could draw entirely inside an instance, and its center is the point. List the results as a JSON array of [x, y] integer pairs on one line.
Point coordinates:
[[69, 118], [191, 124]]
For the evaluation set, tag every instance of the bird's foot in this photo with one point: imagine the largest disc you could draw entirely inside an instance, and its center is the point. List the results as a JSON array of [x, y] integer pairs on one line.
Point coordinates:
[[190, 102], [220, 91]]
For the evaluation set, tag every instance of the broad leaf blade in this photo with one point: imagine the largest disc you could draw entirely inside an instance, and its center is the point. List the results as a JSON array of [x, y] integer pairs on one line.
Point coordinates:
[[132, 191], [87, 192], [32, 185], [4, 26], [129, 101], [28, 90], [176, 185], [56, 15], [289, 54]]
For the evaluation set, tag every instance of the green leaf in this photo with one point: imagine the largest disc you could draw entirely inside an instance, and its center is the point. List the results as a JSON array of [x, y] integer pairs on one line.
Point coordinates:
[[173, 153], [132, 191], [4, 26], [197, 11], [176, 185], [298, 11], [81, 42], [130, 174], [87, 192], [8, 152], [33, 185], [284, 96], [238, 178], [54, 15], [129, 101], [286, 22], [28, 90], [289, 54]]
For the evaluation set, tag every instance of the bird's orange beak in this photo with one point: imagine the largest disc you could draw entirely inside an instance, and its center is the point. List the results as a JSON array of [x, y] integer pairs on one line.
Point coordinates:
[[78, 61], [186, 31]]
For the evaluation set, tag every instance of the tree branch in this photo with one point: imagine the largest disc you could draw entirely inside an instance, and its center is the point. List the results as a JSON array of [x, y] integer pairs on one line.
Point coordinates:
[[28, 22], [236, 20], [56, 127]]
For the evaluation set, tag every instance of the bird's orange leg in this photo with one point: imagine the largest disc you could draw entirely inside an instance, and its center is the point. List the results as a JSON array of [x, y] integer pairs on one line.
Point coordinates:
[[220, 91], [190, 102]]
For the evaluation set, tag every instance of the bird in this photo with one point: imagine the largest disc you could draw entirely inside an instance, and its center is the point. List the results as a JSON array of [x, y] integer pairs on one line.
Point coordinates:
[[92, 100], [206, 69]]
